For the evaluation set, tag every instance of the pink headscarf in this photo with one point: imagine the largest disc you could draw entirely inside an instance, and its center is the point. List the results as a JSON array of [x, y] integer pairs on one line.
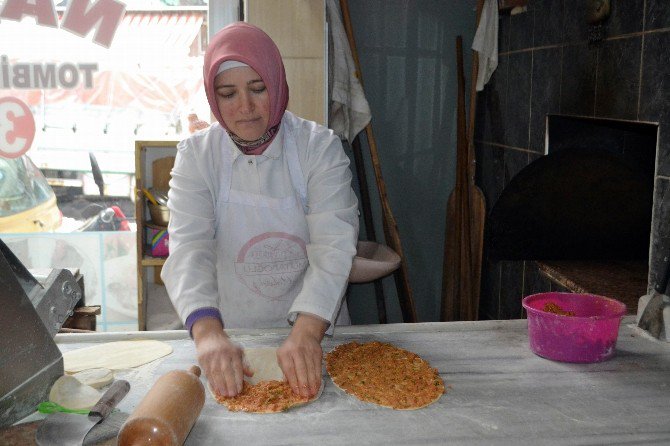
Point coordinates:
[[249, 44]]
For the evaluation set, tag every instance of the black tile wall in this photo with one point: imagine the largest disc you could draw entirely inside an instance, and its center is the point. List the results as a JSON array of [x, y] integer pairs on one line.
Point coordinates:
[[515, 160], [654, 91], [490, 168], [618, 81], [495, 102], [489, 307], [503, 29], [575, 26], [511, 289], [545, 93], [625, 17], [519, 36], [578, 79], [657, 14], [660, 231], [546, 66], [517, 112], [548, 23]]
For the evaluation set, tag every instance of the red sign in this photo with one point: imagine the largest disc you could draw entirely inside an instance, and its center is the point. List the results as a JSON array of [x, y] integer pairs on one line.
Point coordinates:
[[17, 127]]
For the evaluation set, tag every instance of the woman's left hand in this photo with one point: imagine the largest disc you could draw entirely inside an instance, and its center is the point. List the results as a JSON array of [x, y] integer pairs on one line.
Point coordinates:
[[300, 355]]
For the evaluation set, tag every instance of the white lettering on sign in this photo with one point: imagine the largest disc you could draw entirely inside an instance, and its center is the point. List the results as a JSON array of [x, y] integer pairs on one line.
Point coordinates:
[[45, 76], [81, 17]]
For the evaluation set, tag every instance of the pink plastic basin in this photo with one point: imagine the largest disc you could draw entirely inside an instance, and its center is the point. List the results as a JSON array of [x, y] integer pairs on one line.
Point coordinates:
[[588, 336]]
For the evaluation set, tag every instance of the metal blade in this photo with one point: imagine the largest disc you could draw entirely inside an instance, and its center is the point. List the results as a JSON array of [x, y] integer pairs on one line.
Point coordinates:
[[63, 429]]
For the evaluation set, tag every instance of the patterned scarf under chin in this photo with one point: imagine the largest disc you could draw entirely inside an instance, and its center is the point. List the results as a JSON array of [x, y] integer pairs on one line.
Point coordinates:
[[252, 147]]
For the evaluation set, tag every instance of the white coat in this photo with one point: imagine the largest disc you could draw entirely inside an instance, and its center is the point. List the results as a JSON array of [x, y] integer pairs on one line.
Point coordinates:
[[262, 237]]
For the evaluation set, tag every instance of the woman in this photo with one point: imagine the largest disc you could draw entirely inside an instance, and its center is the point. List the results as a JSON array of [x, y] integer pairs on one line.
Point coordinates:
[[263, 220]]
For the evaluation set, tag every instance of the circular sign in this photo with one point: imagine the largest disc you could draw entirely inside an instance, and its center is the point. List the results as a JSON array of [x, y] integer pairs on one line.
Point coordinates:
[[17, 127]]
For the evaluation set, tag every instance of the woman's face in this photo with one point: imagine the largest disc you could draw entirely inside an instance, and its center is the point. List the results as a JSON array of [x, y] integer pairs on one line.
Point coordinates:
[[243, 101]]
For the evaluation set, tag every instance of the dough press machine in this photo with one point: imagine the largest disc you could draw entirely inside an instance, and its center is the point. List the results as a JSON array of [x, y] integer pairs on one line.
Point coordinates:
[[31, 313]]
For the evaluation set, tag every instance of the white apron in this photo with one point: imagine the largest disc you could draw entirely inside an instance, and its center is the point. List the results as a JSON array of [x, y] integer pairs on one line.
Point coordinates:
[[261, 248]]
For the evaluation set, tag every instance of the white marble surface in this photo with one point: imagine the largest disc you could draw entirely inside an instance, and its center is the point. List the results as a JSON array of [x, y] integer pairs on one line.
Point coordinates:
[[499, 391]]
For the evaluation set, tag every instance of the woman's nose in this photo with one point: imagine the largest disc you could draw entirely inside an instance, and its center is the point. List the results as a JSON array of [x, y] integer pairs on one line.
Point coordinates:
[[246, 103]]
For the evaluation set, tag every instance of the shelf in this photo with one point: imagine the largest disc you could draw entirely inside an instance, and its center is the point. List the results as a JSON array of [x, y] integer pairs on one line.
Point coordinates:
[[153, 261], [153, 162]]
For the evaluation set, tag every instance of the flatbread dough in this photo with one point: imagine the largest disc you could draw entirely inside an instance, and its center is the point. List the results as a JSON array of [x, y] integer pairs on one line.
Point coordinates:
[[266, 391], [115, 355], [71, 393], [263, 362], [95, 378]]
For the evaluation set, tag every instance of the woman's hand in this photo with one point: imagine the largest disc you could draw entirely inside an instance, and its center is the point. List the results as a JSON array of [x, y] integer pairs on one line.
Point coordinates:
[[300, 355], [220, 358]]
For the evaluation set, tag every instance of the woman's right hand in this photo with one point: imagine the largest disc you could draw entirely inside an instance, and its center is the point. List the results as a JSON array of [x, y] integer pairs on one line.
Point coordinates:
[[220, 358]]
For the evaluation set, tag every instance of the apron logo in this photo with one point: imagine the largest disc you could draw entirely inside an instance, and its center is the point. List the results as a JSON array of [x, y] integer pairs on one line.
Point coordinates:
[[270, 264]]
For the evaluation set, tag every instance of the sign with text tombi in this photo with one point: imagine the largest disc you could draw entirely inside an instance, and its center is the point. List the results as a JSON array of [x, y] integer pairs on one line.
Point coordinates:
[[81, 17]]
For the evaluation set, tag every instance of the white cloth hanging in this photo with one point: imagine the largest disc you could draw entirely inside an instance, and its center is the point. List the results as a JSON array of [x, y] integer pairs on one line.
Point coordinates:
[[349, 110], [486, 43]]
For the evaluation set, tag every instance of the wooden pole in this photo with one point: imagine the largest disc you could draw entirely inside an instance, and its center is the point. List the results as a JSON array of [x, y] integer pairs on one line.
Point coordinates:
[[477, 196], [389, 224], [367, 219], [466, 212]]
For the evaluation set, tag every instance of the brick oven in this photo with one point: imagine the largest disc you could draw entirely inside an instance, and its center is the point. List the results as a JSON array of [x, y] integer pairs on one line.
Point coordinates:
[[600, 111]]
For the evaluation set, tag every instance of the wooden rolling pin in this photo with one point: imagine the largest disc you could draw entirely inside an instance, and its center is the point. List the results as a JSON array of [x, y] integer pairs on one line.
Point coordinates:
[[167, 413]]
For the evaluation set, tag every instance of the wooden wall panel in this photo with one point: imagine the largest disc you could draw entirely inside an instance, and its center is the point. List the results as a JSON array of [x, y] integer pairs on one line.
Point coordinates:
[[298, 29]]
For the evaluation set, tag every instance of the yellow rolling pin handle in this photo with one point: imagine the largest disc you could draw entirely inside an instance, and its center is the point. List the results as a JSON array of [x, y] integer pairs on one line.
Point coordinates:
[[149, 196]]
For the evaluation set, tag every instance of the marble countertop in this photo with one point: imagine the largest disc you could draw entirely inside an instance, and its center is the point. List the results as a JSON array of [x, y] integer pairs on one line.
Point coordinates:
[[499, 392]]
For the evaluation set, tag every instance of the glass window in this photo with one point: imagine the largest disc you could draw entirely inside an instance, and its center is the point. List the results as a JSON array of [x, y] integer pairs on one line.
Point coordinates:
[[22, 186]]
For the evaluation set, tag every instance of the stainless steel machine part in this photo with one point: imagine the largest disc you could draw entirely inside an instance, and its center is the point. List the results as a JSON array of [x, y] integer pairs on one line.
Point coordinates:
[[31, 314]]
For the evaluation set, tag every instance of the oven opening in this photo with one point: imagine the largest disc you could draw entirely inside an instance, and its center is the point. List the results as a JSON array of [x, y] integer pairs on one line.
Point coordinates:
[[583, 211]]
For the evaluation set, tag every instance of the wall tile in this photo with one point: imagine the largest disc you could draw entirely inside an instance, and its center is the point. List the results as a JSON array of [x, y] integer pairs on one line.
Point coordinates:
[[517, 112], [490, 292], [618, 81], [548, 24], [578, 79], [503, 33], [515, 161], [625, 17], [490, 172], [520, 33], [575, 26], [660, 230], [545, 93], [663, 156], [496, 99], [511, 289], [657, 14], [654, 91], [481, 114]]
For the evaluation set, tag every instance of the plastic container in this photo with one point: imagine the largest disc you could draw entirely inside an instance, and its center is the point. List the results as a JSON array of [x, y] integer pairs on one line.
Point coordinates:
[[588, 336]]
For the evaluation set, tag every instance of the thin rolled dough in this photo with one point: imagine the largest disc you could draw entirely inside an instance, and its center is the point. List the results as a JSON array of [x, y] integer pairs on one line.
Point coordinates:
[[95, 378], [263, 362], [71, 393], [115, 355]]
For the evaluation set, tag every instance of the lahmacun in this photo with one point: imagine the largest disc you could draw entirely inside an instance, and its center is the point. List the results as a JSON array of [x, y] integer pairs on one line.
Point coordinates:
[[383, 374], [263, 397]]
